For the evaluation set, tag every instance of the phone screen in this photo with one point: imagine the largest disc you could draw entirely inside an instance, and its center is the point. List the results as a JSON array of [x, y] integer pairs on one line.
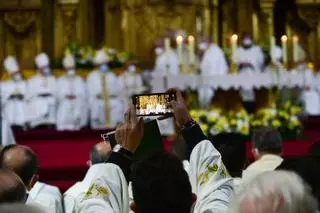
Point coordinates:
[[153, 104]]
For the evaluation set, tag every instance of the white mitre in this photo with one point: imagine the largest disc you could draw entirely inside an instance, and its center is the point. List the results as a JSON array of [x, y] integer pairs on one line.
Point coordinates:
[[42, 60], [100, 57], [11, 65], [68, 62]]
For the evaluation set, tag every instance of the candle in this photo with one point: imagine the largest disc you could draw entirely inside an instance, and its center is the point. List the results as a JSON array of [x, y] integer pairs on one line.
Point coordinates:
[[234, 46], [272, 48], [167, 44], [191, 50], [180, 48], [167, 47], [295, 40], [284, 41]]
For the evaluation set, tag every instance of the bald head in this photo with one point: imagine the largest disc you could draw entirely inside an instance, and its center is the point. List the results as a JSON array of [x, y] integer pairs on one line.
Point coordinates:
[[12, 188], [21, 160], [100, 152]]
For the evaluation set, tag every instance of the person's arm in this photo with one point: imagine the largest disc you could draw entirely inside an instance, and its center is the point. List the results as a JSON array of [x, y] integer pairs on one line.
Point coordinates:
[[129, 136], [209, 179], [191, 131], [123, 159], [192, 135], [106, 191]]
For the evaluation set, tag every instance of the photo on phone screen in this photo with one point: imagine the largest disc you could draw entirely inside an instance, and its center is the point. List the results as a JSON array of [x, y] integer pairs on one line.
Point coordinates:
[[153, 104]]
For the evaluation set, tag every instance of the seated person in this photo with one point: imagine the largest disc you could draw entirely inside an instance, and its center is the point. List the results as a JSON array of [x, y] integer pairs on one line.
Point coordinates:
[[274, 192], [99, 154], [23, 161], [12, 189], [159, 182], [267, 150]]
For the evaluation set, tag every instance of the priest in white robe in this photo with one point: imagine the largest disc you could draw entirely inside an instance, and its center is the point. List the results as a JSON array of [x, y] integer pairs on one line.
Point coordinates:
[[309, 96], [42, 94], [132, 83], [167, 62], [107, 190], [72, 113], [13, 94], [45, 197], [104, 88], [249, 58], [213, 63]]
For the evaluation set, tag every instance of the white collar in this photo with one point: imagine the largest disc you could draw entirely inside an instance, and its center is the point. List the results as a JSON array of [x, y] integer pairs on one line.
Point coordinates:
[[33, 193]]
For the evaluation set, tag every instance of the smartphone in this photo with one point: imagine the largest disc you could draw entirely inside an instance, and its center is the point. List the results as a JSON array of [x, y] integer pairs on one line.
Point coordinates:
[[151, 142], [153, 104]]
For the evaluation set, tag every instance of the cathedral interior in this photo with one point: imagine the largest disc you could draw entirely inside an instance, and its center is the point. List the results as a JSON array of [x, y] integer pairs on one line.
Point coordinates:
[[28, 27]]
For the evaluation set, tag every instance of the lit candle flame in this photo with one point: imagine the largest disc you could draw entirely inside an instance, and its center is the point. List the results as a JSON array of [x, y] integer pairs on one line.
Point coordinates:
[[179, 39], [190, 38], [234, 38], [284, 38], [295, 38]]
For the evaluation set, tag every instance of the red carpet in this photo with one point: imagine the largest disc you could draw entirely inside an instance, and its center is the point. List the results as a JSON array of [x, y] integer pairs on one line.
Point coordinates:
[[63, 155]]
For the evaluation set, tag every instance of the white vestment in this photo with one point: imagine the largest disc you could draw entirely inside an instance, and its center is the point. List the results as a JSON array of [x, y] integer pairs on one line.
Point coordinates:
[[212, 63], [310, 97], [107, 191], [97, 105], [71, 114], [78, 189], [209, 179], [132, 85], [7, 135], [253, 56], [265, 163], [42, 110], [14, 110], [46, 197], [167, 62]]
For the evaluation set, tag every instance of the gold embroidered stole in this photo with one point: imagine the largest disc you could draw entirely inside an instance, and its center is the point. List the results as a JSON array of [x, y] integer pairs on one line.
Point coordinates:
[[105, 97]]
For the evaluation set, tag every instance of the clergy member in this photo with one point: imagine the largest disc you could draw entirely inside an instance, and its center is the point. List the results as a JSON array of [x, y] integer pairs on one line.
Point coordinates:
[[42, 94], [249, 58], [99, 154], [13, 95], [72, 111], [207, 188], [167, 62], [106, 107], [213, 62], [309, 95], [132, 83], [23, 161]]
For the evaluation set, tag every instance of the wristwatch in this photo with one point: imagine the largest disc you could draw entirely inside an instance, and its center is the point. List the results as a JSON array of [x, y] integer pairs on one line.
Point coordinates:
[[188, 125]]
